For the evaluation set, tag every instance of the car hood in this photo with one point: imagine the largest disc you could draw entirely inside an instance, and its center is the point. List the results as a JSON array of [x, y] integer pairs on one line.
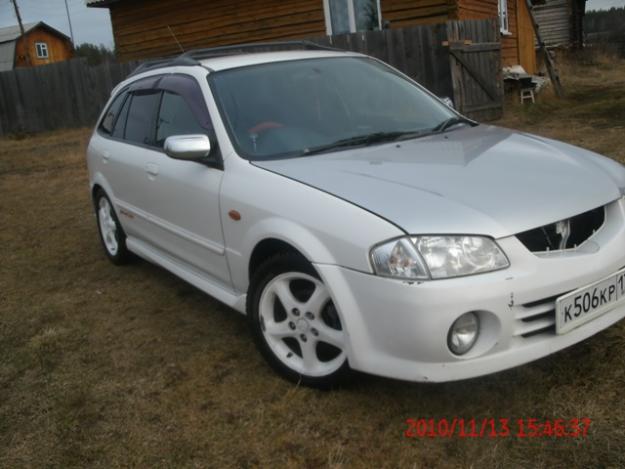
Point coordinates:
[[473, 180]]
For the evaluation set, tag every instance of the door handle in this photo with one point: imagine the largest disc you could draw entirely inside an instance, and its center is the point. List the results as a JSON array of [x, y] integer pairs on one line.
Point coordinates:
[[151, 169], [106, 156]]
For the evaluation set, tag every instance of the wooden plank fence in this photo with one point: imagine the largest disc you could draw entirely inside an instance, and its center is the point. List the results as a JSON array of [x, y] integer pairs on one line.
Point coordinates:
[[60, 95], [457, 59]]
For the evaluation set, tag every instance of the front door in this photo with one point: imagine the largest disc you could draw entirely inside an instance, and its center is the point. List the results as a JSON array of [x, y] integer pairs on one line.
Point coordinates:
[[183, 196]]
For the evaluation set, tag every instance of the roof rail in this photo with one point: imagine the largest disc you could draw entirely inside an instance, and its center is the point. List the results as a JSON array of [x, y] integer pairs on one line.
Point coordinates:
[[193, 56], [166, 62], [199, 54]]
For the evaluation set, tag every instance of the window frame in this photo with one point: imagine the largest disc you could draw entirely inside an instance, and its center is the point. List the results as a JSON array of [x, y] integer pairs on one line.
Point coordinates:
[[504, 17], [41, 49], [351, 11]]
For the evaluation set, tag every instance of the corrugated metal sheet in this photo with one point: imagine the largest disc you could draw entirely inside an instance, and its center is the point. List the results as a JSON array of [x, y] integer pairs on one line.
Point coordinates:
[[554, 21], [100, 3], [11, 33], [7, 56]]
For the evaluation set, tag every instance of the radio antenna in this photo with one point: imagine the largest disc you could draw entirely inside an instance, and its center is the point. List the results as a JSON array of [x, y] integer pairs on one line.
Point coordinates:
[[175, 38]]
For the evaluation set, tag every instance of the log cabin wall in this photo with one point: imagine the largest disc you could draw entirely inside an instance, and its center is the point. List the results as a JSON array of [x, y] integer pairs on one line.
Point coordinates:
[[146, 29], [481, 9], [142, 27], [404, 13], [525, 39], [59, 48], [517, 47]]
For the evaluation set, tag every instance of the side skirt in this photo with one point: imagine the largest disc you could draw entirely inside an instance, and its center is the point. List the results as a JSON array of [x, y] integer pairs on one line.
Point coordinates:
[[215, 289]]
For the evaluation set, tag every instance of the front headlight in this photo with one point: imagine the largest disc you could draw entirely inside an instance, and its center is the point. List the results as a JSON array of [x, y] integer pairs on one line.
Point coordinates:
[[437, 257]]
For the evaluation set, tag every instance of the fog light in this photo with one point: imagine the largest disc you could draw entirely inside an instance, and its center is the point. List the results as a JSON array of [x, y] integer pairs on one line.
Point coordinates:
[[463, 333]]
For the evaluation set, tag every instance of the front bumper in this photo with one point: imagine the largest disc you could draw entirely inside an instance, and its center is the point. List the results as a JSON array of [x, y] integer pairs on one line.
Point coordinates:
[[399, 329]]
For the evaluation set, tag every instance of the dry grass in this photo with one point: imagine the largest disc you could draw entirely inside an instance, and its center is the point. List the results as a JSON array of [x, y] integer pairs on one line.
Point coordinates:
[[103, 366]]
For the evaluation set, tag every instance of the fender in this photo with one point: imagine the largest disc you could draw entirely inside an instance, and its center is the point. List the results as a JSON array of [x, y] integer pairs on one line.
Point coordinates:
[[302, 239]]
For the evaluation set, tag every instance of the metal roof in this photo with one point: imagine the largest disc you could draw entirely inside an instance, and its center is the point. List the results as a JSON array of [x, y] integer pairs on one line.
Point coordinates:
[[7, 56], [100, 3], [11, 33]]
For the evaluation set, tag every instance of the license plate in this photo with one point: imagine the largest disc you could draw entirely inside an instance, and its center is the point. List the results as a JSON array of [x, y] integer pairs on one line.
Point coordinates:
[[586, 303]]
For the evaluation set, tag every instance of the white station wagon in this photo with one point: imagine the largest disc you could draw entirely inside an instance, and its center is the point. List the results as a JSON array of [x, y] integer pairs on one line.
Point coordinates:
[[358, 221]]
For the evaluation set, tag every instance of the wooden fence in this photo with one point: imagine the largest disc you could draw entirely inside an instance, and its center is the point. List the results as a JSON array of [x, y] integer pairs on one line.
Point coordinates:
[[60, 95], [457, 59]]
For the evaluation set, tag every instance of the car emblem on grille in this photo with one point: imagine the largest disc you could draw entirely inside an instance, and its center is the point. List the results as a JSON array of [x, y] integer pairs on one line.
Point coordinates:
[[563, 228]]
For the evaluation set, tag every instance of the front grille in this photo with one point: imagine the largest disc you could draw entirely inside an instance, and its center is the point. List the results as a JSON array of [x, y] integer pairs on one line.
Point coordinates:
[[566, 234], [537, 317]]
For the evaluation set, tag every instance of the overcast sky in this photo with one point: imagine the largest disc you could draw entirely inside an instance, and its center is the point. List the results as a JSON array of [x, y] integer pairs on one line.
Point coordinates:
[[94, 24]]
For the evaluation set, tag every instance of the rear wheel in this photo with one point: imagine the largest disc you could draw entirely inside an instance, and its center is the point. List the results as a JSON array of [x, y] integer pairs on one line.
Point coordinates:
[[295, 323], [111, 233]]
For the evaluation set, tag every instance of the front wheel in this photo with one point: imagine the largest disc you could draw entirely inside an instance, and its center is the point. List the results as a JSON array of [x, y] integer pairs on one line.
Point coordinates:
[[295, 323]]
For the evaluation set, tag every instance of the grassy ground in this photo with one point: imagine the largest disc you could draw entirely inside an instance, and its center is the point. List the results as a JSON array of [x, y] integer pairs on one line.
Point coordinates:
[[104, 366]]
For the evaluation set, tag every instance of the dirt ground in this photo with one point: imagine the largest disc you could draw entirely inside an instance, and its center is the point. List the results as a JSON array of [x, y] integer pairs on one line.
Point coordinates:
[[102, 366]]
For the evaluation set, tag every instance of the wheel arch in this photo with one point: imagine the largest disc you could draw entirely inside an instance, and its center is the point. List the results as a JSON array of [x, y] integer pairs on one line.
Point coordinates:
[[95, 189], [266, 249], [269, 237], [99, 184]]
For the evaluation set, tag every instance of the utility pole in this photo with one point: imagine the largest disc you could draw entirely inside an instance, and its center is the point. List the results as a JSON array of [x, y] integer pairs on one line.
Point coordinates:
[[19, 21], [69, 20]]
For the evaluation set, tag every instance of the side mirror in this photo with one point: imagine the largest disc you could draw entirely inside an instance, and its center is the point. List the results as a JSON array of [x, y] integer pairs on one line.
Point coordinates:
[[447, 101], [187, 147]]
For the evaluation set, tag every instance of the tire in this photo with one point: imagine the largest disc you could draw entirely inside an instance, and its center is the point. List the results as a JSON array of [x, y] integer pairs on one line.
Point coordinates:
[[110, 230], [295, 324]]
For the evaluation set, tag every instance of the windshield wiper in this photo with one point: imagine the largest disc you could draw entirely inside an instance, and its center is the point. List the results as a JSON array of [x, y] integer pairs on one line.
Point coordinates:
[[447, 123], [369, 139]]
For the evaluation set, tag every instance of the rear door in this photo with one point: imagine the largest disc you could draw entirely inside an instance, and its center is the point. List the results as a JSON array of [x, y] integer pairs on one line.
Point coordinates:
[[131, 142]]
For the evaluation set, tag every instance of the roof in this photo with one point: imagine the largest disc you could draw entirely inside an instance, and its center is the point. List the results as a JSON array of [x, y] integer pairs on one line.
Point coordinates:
[[240, 60], [11, 33], [100, 3], [257, 58], [241, 55]]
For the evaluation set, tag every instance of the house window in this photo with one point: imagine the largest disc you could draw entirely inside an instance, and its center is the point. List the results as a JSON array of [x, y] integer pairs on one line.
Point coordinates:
[[503, 16], [349, 16], [42, 50]]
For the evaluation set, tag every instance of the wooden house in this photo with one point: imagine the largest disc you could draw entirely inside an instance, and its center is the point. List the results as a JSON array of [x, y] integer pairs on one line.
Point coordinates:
[[561, 22], [41, 44], [153, 28]]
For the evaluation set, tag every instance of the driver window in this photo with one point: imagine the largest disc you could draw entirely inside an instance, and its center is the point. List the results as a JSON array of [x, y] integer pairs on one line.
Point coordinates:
[[175, 117]]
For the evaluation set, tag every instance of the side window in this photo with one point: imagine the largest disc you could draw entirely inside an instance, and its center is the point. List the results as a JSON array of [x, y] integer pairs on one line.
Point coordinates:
[[140, 121], [175, 118], [120, 122], [108, 121], [42, 50]]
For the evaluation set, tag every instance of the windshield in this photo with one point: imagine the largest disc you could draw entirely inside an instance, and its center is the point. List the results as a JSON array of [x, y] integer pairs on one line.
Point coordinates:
[[295, 108]]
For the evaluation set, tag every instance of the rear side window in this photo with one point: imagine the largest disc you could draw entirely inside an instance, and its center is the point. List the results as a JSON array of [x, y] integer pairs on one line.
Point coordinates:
[[140, 121], [108, 121], [120, 122], [176, 118]]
